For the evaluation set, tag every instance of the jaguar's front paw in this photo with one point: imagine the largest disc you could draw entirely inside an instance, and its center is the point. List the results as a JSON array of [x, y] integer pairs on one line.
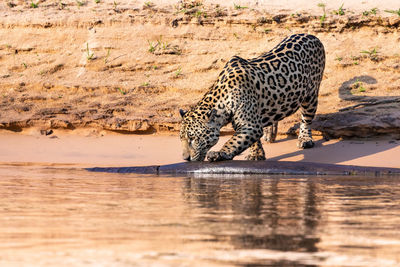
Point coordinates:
[[255, 157], [305, 144], [217, 156]]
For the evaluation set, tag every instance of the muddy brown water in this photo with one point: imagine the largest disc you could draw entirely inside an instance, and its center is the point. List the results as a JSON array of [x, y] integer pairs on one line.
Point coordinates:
[[71, 217]]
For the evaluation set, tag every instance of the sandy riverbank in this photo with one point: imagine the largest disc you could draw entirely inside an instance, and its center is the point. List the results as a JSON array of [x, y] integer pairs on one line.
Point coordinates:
[[129, 66], [92, 148]]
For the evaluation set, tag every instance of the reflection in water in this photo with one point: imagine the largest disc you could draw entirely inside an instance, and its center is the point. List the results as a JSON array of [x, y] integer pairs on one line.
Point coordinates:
[[56, 217], [265, 213]]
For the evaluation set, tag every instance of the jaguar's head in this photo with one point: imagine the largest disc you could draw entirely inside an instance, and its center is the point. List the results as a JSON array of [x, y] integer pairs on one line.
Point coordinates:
[[198, 134]]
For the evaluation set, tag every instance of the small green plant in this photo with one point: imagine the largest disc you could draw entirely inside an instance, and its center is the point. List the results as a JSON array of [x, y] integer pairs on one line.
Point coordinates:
[[373, 11], [184, 11], [267, 30], [339, 58], [237, 7], [373, 53], [323, 17], [187, 6], [200, 13], [178, 72], [145, 84], [80, 3], [123, 92], [34, 5], [89, 56], [370, 52], [359, 85], [148, 4], [155, 67], [97, 1], [340, 11], [108, 54], [163, 45], [25, 66], [355, 59], [393, 11], [115, 4], [152, 48], [61, 5], [236, 35]]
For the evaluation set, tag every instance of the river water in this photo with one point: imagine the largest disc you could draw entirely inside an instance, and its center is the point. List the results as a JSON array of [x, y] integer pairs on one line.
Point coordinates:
[[71, 217]]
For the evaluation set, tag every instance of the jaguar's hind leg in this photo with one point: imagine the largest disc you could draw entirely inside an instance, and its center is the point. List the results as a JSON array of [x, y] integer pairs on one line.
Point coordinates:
[[270, 132], [307, 115]]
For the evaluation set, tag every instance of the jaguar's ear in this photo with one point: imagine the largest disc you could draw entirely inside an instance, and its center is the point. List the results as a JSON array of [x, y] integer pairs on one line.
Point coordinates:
[[211, 114], [182, 112]]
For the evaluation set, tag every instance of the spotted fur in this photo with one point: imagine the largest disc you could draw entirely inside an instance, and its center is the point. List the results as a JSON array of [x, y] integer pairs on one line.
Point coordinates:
[[253, 94]]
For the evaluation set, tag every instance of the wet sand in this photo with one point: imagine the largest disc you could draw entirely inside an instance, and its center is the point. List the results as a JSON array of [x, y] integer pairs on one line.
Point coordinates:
[[91, 148]]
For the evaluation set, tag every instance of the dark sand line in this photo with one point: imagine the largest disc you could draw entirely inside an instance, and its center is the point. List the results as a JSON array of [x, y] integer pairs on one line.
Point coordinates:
[[252, 167]]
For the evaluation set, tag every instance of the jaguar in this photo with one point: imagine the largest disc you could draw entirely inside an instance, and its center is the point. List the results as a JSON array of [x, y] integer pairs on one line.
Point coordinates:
[[254, 94]]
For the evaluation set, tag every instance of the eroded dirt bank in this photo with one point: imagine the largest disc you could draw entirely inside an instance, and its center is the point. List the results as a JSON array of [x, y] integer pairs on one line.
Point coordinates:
[[128, 66]]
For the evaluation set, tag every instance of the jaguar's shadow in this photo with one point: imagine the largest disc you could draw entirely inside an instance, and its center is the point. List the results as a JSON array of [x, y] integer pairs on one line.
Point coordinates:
[[363, 107], [345, 92], [339, 152], [333, 125]]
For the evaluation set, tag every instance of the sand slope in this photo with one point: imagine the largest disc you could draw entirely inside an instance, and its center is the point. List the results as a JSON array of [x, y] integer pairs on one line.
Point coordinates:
[[129, 66]]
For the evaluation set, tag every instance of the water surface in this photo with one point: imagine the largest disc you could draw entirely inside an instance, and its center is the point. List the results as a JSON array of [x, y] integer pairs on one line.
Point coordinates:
[[65, 217]]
